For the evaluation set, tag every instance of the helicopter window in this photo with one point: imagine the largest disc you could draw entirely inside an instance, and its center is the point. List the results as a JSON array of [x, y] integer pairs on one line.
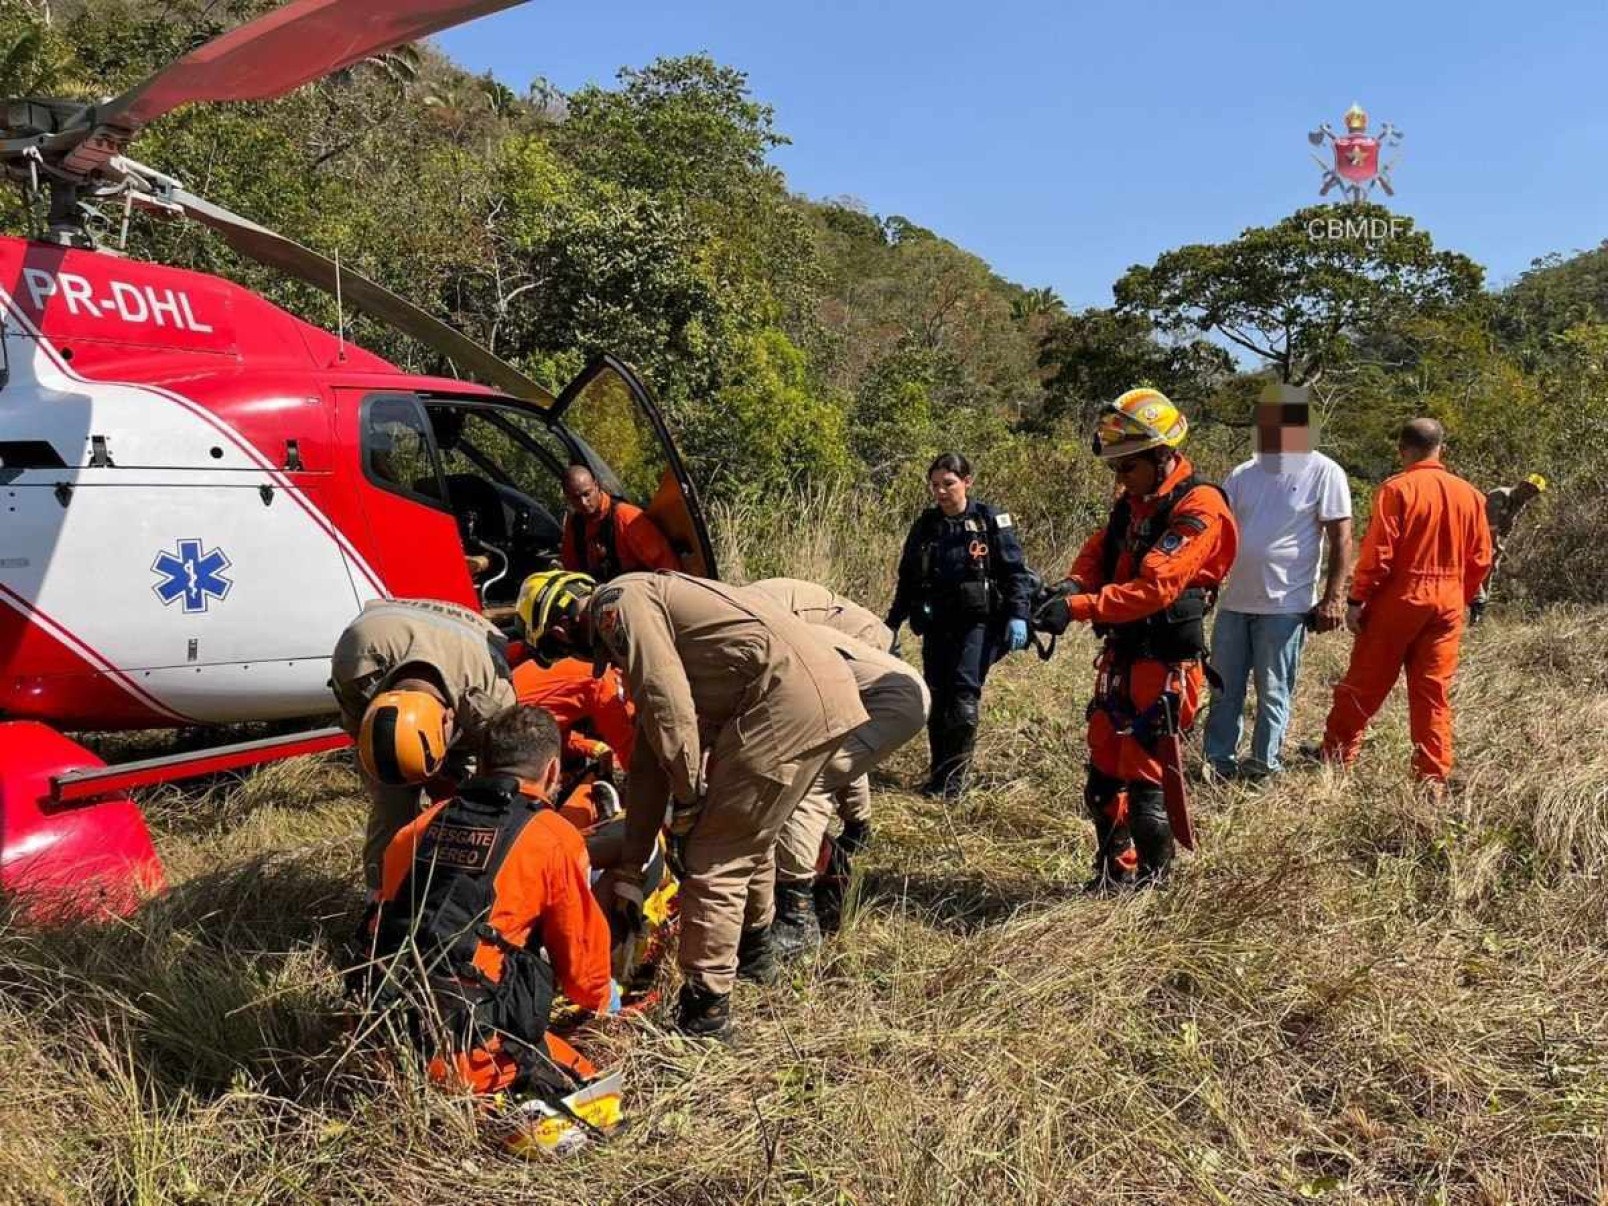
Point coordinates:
[[510, 448], [398, 452]]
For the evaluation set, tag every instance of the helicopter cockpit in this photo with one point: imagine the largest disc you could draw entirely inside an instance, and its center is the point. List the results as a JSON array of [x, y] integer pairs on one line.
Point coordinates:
[[497, 464]]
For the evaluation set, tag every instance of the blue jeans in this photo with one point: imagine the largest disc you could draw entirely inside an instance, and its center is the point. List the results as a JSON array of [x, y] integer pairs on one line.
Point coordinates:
[[1266, 650]]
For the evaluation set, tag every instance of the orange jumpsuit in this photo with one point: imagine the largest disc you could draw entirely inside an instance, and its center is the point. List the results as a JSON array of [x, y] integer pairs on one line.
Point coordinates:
[[1424, 556], [631, 543], [1196, 550], [543, 889], [593, 714]]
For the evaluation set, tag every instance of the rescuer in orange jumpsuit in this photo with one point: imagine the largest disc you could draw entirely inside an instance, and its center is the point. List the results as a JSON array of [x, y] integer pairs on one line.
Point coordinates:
[[596, 720], [1425, 554], [496, 852], [1144, 582], [606, 536]]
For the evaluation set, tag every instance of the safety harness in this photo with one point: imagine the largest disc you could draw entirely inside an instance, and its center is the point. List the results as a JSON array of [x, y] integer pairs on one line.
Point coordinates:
[[425, 938], [605, 549], [1175, 635]]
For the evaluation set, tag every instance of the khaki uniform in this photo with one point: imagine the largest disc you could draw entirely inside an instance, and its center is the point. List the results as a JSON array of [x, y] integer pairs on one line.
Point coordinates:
[[462, 646], [893, 694], [1502, 507], [815, 604], [738, 696]]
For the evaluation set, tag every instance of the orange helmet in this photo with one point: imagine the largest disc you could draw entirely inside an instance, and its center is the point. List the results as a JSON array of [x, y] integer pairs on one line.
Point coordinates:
[[404, 737], [1139, 420]]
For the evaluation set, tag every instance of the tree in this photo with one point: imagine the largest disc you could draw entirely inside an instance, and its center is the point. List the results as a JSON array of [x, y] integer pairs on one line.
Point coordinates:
[[1294, 296], [1091, 357]]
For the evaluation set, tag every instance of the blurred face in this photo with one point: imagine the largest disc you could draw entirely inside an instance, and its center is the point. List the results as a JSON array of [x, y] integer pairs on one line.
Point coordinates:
[[1139, 475], [949, 491], [583, 496], [1282, 427]]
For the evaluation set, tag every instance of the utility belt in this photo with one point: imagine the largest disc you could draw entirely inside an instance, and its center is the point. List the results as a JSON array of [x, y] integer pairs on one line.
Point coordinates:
[[1175, 634], [968, 601]]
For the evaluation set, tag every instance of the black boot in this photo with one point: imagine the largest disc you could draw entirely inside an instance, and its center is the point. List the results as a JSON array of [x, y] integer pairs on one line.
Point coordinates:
[[703, 1014], [856, 836], [756, 957], [1152, 832], [1112, 841], [937, 745], [796, 931], [953, 755], [832, 884]]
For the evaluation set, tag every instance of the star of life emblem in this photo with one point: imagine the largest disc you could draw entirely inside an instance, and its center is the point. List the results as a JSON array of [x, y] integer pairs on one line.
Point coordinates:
[[191, 577]]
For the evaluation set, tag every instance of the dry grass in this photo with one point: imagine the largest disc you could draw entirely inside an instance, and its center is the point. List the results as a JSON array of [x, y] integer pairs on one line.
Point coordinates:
[[1351, 994]]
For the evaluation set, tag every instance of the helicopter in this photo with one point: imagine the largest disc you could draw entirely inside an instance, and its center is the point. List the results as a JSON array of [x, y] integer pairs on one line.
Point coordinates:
[[198, 490]]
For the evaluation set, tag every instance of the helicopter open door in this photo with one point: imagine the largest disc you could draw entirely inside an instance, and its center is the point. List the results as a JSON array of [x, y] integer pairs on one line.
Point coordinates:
[[612, 417]]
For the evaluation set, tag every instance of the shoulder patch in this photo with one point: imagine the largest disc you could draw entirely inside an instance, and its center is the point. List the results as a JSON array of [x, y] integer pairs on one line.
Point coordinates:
[[1002, 520], [606, 618], [1170, 543]]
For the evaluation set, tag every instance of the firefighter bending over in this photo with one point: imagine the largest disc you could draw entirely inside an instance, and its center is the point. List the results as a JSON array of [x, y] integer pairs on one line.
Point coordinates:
[[416, 681], [739, 708]]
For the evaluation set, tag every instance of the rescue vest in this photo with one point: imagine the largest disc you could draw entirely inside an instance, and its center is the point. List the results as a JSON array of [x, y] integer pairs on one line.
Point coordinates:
[[1177, 633], [601, 557], [976, 596], [426, 936]]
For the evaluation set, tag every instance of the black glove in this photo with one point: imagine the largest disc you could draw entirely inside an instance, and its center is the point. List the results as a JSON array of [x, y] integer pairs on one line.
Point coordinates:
[[1051, 615], [920, 615]]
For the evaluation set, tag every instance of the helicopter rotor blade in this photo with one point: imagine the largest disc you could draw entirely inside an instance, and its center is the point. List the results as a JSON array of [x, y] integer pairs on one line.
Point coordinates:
[[290, 257], [268, 57]]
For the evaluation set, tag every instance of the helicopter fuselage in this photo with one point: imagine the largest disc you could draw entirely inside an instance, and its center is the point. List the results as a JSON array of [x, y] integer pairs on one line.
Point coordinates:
[[198, 491]]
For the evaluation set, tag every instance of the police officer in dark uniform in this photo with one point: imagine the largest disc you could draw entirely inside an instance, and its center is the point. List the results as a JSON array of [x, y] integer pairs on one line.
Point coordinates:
[[966, 590]]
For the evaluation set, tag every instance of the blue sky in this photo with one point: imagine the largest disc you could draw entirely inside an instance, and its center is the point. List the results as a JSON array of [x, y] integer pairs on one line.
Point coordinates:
[[1064, 145]]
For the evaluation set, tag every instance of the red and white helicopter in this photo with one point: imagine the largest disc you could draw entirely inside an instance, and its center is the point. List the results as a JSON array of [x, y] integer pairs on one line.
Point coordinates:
[[198, 490]]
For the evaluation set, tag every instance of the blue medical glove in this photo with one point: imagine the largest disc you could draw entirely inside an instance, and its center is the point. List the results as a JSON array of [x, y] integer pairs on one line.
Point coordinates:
[[613, 1006], [1016, 632]]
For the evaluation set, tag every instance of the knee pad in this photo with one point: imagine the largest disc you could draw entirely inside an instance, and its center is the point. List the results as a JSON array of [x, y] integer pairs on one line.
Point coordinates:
[[962, 711], [1147, 814], [1100, 791]]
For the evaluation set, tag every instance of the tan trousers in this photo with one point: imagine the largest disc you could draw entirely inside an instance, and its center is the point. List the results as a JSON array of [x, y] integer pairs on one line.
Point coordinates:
[[390, 808], [897, 705], [854, 802], [730, 864]]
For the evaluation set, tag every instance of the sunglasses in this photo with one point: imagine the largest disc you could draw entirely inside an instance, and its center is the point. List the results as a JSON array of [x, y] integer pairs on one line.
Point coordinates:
[[1123, 467]]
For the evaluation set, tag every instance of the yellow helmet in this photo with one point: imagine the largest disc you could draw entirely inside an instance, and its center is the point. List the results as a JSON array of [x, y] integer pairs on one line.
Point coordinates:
[[1539, 482], [404, 737], [1139, 420], [547, 596]]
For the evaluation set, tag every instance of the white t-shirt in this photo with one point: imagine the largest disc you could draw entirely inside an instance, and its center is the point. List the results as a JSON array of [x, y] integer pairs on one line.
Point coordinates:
[[1279, 501]]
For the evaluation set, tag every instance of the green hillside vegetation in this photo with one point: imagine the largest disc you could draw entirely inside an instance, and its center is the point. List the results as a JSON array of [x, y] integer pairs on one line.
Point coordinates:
[[798, 344]]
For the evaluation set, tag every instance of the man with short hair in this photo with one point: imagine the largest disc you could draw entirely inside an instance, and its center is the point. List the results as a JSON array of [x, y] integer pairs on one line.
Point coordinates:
[[414, 680], [485, 906], [606, 536], [1289, 502], [1424, 556]]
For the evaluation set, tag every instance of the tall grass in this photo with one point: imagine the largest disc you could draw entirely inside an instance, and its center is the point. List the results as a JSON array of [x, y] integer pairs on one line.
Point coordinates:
[[1352, 993]]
